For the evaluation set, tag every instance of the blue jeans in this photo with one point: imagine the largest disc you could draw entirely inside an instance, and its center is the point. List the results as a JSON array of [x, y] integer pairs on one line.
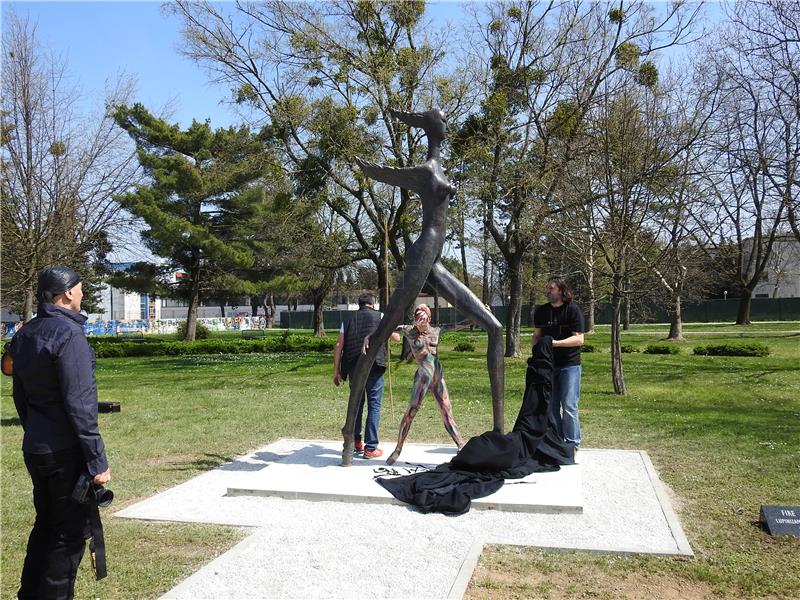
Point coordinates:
[[373, 393], [566, 393]]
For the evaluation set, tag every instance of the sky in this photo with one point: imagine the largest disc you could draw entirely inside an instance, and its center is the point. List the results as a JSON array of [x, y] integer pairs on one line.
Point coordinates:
[[100, 39]]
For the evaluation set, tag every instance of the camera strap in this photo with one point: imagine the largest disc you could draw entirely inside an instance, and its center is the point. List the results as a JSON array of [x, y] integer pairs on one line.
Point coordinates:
[[97, 544]]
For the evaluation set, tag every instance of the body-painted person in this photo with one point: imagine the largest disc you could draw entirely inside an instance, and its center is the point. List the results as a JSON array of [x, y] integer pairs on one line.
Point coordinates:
[[424, 342]]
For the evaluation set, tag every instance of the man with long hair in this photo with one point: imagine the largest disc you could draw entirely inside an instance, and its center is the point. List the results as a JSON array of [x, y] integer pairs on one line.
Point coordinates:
[[561, 318]]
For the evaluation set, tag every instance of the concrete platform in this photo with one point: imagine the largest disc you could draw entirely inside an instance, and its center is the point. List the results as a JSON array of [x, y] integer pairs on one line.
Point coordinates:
[[340, 549], [311, 470]]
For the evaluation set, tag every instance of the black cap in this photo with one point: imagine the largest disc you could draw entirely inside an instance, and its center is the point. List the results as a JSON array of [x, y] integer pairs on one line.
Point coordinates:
[[54, 281]]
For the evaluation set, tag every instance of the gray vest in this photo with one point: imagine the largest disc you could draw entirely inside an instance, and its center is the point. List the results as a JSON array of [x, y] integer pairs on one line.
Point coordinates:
[[360, 325]]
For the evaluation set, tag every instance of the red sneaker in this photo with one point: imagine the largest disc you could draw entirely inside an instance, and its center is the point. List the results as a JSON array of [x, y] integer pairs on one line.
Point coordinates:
[[376, 453], [358, 448]]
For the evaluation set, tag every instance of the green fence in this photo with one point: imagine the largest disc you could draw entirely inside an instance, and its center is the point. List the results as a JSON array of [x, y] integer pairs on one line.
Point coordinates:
[[708, 311]]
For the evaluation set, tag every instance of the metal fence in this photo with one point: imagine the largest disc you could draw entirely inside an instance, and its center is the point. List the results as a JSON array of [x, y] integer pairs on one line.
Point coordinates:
[[707, 311]]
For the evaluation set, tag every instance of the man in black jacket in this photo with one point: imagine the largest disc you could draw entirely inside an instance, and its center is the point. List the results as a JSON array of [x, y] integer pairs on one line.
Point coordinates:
[[345, 355], [56, 399]]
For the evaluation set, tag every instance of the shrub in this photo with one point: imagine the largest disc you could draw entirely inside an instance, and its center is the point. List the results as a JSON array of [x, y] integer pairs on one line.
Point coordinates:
[[464, 346], [661, 349], [286, 343], [752, 349], [201, 331], [629, 349]]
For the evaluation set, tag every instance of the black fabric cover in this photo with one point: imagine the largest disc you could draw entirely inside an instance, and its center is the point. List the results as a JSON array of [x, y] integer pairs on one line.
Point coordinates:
[[485, 461]]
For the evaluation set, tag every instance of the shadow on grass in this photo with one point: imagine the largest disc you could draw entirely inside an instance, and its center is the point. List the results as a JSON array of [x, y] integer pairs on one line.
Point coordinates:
[[10, 422]]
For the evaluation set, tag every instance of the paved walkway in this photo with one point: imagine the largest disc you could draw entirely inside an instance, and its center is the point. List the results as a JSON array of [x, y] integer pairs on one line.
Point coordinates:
[[338, 549]]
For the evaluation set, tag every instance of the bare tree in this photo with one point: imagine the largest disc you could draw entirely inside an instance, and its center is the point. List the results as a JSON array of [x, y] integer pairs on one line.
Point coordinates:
[[60, 169], [547, 65], [765, 36]]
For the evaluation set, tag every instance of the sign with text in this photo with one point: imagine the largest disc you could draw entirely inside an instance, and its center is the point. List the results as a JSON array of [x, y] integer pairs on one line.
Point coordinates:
[[781, 520]]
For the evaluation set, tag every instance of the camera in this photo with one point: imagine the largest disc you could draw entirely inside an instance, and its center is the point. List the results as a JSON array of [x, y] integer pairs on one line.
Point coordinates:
[[88, 492]]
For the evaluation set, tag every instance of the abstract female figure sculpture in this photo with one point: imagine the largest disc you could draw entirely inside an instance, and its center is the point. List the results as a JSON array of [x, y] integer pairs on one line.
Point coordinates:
[[422, 260]]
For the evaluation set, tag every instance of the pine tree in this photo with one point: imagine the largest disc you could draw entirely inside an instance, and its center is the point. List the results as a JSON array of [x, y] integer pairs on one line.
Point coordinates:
[[194, 174]]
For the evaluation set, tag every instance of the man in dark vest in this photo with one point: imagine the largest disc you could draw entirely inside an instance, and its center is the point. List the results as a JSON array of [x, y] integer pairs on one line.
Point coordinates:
[[345, 355], [56, 399]]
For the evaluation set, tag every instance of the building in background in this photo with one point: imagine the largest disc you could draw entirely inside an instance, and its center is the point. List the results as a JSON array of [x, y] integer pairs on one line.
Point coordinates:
[[781, 278]]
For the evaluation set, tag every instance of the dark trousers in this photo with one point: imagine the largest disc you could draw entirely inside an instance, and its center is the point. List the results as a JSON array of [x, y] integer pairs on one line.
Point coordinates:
[[58, 538]]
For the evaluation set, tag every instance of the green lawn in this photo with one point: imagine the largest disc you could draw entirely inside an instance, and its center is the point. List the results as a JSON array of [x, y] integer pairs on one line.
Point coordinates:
[[724, 433]]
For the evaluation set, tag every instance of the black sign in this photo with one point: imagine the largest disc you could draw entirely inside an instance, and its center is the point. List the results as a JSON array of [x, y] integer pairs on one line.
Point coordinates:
[[781, 520]]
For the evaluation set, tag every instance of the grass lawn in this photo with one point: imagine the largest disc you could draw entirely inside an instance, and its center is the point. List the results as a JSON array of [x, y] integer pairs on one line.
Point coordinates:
[[724, 434]]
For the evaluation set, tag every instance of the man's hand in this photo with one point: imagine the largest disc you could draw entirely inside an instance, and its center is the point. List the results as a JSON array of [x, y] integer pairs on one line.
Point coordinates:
[[337, 379], [365, 346], [103, 478]]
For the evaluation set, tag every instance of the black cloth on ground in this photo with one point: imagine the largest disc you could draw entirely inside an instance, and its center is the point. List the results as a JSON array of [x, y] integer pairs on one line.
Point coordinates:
[[485, 461]]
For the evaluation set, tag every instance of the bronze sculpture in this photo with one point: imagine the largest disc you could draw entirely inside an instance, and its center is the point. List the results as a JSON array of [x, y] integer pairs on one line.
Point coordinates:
[[422, 263]]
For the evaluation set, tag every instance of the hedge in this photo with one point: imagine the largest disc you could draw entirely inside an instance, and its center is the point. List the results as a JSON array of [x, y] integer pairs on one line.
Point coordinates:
[[285, 343], [752, 349], [465, 346], [661, 349]]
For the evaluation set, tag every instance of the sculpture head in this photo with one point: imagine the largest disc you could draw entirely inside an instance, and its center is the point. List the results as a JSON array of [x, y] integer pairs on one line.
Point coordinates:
[[432, 121]]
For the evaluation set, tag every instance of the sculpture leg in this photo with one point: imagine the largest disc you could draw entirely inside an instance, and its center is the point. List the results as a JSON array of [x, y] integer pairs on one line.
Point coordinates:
[[460, 296], [422, 381], [439, 390]]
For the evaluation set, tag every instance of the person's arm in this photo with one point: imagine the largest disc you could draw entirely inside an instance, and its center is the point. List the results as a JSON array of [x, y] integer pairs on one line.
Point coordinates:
[[395, 337], [20, 401], [337, 359], [74, 365], [576, 323], [576, 339], [537, 335]]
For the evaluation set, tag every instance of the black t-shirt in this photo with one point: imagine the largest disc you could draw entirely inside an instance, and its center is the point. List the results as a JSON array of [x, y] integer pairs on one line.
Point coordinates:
[[559, 323]]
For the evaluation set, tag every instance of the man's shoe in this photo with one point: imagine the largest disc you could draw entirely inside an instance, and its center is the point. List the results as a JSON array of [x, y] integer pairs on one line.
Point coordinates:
[[375, 453], [358, 448]]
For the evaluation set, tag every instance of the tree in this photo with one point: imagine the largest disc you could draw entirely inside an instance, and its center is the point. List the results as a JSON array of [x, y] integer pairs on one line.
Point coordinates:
[[325, 75], [546, 66], [751, 137], [59, 170], [765, 36], [193, 173]]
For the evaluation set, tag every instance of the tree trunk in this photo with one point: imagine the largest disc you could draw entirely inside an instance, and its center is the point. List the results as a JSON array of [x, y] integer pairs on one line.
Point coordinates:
[[222, 309], [269, 308], [486, 292], [591, 306], [27, 309], [743, 316], [675, 321], [255, 302], [617, 372], [626, 323], [319, 327], [514, 309], [465, 272], [191, 315]]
